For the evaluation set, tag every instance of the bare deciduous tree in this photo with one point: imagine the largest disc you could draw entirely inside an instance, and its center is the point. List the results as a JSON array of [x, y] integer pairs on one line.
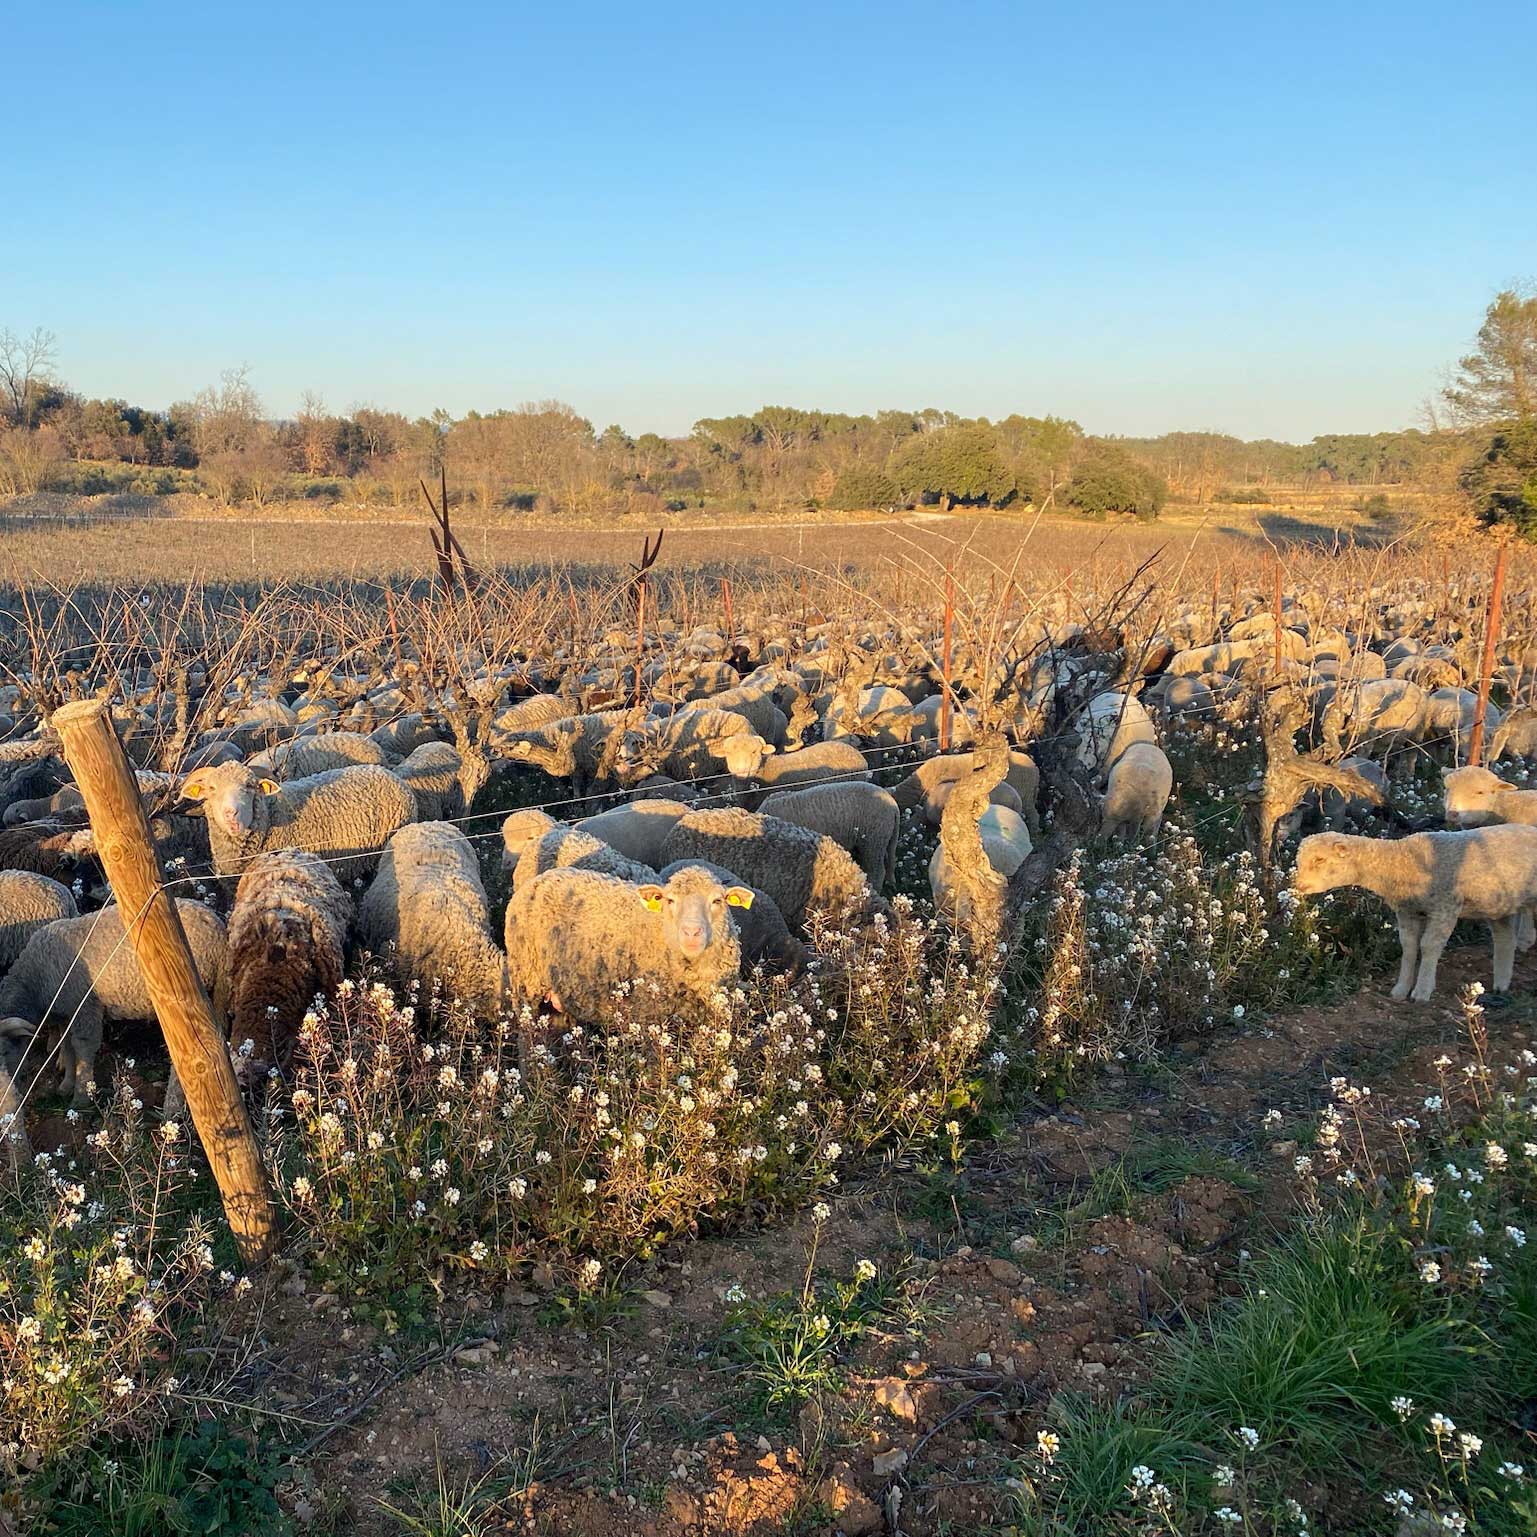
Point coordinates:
[[25, 362]]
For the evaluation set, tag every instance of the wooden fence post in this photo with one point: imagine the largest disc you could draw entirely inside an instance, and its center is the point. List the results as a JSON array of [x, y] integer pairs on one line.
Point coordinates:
[[1278, 616], [1486, 669], [197, 1045], [725, 591]]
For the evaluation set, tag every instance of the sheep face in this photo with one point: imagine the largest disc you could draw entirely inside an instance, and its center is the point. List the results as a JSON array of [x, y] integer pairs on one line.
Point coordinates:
[[519, 830], [16, 1036], [229, 795], [1470, 796], [744, 755], [1324, 863], [695, 910]]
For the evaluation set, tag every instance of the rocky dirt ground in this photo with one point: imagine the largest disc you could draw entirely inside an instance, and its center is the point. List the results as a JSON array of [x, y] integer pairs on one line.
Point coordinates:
[[1050, 1259]]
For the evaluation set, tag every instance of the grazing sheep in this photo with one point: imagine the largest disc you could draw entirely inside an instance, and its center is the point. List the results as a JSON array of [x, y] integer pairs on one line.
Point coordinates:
[[83, 970], [533, 842], [304, 756], [1378, 717], [758, 701], [1136, 792], [929, 785], [862, 817], [401, 737], [688, 745], [581, 748], [1477, 798], [1430, 880], [761, 927], [637, 828], [27, 903], [802, 870], [747, 761], [287, 943], [1107, 726], [574, 937], [433, 774], [344, 815], [429, 903], [1517, 735]]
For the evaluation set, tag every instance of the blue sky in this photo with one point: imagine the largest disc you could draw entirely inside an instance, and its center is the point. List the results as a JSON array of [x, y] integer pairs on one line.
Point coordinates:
[[1273, 220]]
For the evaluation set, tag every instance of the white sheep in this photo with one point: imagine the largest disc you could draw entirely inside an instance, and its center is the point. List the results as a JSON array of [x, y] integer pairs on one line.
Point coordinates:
[[28, 902], [344, 815], [1430, 880], [433, 772], [575, 939], [429, 903], [1477, 798], [533, 842], [747, 762], [862, 817], [1136, 792], [637, 828], [761, 927], [303, 756], [688, 745], [1006, 841], [1107, 726], [82, 971]]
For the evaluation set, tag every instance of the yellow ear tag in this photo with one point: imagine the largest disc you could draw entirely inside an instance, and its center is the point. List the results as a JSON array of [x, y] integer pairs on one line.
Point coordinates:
[[269, 787], [654, 903], [739, 899], [193, 791]]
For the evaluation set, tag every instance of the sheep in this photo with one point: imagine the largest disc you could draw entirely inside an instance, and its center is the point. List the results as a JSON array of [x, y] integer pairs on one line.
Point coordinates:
[[433, 774], [581, 748], [1477, 798], [1516, 735], [287, 943], [303, 756], [862, 817], [929, 785], [967, 877], [1381, 716], [1136, 792], [688, 745], [1430, 880], [83, 970], [428, 901], [761, 927], [27, 903], [746, 761], [346, 815], [636, 829], [575, 937], [533, 842], [1006, 842], [401, 737], [802, 870], [1449, 716], [1107, 726], [45, 848]]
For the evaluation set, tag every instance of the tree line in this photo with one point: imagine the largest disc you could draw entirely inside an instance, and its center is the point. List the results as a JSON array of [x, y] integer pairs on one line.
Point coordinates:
[[545, 455]]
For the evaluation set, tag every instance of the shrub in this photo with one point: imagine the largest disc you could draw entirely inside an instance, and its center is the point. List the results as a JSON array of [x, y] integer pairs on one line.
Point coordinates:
[[859, 487], [1245, 496], [1110, 480]]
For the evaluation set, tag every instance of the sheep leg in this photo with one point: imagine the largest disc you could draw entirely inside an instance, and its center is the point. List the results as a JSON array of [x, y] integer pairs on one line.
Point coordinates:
[[1410, 927], [1526, 930], [82, 1041], [1503, 933], [1438, 929]]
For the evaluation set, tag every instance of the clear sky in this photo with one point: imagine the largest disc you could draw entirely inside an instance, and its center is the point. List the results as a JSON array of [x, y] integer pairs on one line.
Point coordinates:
[[1270, 219]]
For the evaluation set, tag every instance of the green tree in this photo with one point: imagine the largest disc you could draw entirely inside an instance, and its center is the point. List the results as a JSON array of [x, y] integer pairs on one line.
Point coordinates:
[[1107, 479], [1043, 449], [1497, 381], [1501, 481], [955, 464], [860, 487]]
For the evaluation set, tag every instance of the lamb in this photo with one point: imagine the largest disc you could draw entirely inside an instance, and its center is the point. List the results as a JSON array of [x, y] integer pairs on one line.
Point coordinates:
[[533, 842], [637, 829], [27, 903], [434, 775], [802, 870], [761, 927], [345, 815], [575, 937], [303, 756], [862, 817], [82, 970], [1477, 798], [428, 901], [287, 943], [1430, 880], [1136, 792]]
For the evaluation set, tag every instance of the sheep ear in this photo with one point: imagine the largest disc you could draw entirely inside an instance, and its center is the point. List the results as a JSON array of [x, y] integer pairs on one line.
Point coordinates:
[[652, 896], [269, 787], [193, 790], [738, 896]]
